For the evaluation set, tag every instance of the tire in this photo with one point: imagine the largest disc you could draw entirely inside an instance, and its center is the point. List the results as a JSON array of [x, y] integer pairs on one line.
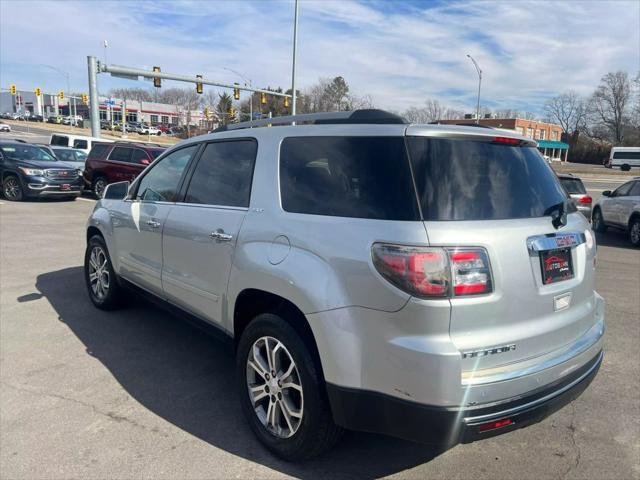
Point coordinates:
[[625, 167], [634, 231], [12, 189], [597, 221], [98, 185], [105, 297], [291, 437]]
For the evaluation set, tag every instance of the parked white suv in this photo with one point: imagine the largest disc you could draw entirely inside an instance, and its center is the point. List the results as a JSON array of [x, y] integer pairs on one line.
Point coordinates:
[[430, 282]]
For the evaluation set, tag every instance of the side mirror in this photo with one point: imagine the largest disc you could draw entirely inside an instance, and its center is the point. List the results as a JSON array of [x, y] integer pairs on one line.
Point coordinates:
[[116, 191], [606, 193]]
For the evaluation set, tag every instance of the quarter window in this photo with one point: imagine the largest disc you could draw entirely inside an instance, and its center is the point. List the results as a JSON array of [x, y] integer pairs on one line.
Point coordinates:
[[140, 157], [161, 183], [223, 174], [362, 177]]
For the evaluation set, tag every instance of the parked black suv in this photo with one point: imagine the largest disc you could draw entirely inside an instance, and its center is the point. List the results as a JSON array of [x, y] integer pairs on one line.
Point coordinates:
[[30, 171]]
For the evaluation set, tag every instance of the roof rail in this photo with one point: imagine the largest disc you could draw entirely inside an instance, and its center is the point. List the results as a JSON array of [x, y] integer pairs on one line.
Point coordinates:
[[364, 116]]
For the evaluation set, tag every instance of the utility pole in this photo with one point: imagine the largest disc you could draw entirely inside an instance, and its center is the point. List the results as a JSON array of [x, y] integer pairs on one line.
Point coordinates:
[[475, 64], [293, 71], [94, 115]]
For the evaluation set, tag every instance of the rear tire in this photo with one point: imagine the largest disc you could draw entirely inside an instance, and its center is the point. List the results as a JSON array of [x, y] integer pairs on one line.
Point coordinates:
[[12, 189], [597, 221], [625, 167], [301, 425], [101, 280], [634, 231]]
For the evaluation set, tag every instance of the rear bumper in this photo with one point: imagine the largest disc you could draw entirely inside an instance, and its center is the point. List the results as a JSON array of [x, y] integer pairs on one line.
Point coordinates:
[[379, 413]]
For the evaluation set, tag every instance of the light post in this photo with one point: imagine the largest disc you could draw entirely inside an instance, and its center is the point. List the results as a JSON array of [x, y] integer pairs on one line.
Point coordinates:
[[248, 80], [475, 64], [293, 66], [65, 74]]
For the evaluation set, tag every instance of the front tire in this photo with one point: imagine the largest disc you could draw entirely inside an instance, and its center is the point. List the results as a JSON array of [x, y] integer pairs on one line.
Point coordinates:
[[597, 221], [100, 278], [634, 231], [281, 390], [98, 186], [12, 189]]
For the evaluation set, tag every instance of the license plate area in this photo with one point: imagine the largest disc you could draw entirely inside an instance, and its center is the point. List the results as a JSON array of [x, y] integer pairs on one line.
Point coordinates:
[[65, 186], [556, 265]]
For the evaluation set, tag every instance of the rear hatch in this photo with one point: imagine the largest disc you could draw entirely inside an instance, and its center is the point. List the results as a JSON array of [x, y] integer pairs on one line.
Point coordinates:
[[498, 194]]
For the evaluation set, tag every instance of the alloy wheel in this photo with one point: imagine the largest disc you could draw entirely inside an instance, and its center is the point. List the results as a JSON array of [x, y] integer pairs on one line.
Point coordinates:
[[11, 188], [99, 187], [99, 277], [274, 387], [635, 232]]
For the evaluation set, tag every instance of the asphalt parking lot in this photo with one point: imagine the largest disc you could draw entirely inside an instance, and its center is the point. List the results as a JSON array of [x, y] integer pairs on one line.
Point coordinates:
[[140, 394]]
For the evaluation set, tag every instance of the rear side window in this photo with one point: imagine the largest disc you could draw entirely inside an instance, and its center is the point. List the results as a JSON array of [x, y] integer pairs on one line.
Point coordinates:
[[626, 155], [223, 174], [363, 177], [80, 144], [477, 180], [121, 154], [99, 150], [60, 140], [573, 185]]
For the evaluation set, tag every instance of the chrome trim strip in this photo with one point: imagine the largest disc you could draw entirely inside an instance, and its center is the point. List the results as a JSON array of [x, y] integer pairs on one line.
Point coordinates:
[[581, 345], [526, 406], [552, 241]]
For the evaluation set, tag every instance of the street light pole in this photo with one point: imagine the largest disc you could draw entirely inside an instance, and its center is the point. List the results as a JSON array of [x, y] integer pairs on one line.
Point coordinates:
[[293, 70], [66, 75], [475, 64]]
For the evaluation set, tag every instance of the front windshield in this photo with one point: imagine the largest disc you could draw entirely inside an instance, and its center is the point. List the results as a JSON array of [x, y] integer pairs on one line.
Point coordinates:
[[26, 152]]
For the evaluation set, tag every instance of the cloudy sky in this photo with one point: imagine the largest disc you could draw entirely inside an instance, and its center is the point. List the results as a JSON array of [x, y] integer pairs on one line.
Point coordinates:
[[399, 52]]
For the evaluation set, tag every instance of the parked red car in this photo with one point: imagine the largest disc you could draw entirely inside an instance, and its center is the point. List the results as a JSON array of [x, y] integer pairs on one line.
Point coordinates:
[[116, 162]]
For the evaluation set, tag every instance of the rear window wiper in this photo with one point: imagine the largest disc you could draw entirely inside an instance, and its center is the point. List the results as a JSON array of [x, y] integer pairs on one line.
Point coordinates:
[[558, 214]]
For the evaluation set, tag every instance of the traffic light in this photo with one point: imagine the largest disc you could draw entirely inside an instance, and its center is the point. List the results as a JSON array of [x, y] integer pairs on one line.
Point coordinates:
[[286, 102], [263, 98], [85, 98], [61, 95], [232, 113], [38, 92], [199, 84], [236, 92], [12, 89], [206, 113], [157, 82]]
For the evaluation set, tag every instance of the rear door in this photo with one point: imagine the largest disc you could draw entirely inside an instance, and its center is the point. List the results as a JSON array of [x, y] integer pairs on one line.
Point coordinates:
[[481, 192], [201, 232]]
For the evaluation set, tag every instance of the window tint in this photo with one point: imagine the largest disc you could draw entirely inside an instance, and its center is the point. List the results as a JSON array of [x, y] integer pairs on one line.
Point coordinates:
[[364, 177], [140, 157], [161, 183], [60, 140], [223, 174], [623, 190], [626, 155], [80, 144], [98, 150], [121, 154], [474, 180], [573, 185], [635, 190]]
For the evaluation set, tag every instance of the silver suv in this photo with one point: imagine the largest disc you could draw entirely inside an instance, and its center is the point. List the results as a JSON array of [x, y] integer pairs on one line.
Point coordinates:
[[430, 282], [620, 209]]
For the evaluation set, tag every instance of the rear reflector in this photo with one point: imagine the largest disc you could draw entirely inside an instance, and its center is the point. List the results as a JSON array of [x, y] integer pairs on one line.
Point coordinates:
[[585, 199], [485, 427]]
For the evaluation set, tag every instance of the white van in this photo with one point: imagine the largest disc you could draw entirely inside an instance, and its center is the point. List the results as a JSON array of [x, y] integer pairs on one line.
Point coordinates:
[[80, 142], [624, 157]]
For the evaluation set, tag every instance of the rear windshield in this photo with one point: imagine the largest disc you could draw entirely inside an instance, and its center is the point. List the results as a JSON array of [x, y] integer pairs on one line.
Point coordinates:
[[473, 180], [573, 185], [364, 177]]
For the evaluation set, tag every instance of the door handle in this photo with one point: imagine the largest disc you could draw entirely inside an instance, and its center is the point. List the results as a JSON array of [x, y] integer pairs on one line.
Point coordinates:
[[220, 236], [153, 223]]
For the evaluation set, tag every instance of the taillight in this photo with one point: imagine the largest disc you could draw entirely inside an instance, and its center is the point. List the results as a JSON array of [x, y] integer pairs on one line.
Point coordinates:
[[585, 199], [506, 141], [433, 272]]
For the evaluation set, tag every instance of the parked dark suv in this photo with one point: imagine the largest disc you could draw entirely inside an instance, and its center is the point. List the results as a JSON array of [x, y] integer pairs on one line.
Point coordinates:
[[116, 162], [31, 171]]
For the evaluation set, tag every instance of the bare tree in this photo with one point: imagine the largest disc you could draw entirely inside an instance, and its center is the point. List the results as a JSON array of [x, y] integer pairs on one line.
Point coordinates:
[[609, 104], [138, 94], [569, 110]]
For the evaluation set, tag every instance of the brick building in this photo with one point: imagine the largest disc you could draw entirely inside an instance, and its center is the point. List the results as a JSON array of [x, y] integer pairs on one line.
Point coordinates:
[[548, 135]]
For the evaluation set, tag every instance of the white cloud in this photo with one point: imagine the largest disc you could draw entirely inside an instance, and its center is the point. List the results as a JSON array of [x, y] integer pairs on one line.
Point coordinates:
[[400, 54]]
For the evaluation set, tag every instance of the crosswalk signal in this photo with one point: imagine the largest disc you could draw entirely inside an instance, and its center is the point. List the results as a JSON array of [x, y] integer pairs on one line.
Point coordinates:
[[12, 88], [286, 102], [38, 92], [199, 84], [85, 98], [236, 92], [61, 95], [157, 82], [263, 98]]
